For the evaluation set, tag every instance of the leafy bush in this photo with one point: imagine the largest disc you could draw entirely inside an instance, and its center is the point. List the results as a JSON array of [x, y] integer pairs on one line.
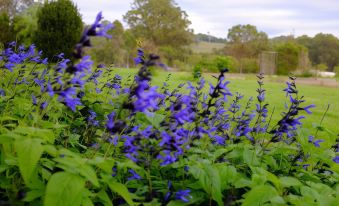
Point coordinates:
[[217, 63], [74, 135], [288, 57], [5, 28], [197, 71], [249, 65]]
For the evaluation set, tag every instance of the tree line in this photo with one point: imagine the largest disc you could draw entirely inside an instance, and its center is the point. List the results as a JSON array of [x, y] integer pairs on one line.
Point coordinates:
[[162, 27]]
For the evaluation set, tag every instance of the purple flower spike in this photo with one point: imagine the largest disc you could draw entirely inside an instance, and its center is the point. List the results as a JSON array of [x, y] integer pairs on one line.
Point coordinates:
[[336, 159]]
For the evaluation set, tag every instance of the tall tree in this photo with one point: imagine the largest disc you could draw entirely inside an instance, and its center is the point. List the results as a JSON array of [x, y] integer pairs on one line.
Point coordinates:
[[59, 28], [246, 41], [161, 22]]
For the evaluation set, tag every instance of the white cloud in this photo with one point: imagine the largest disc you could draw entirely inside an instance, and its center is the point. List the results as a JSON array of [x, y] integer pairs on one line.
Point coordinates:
[[275, 17]]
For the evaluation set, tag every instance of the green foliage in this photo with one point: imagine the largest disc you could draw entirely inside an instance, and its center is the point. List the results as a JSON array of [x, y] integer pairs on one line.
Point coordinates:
[[197, 71], [5, 28], [121, 190], [163, 24], [336, 70], [323, 48], [113, 51], [249, 65], [65, 188], [288, 57], [29, 153], [59, 28], [321, 67], [245, 41], [25, 25], [214, 63]]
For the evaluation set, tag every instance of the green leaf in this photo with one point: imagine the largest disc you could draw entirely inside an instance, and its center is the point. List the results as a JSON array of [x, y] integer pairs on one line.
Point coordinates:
[[228, 175], [289, 182], [121, 190], [29, 152], [155, 119], [33, 194], [209, 179], [7, 138], [45, 134], [64, 189], [102, 195], [73, 163], [259, 195], [250, 157], [77, 165]]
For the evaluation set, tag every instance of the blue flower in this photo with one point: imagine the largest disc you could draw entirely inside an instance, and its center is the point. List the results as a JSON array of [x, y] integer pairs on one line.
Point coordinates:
[[2, 92], [91, 119], [140, 59], [34, 100], [9, 66], [114, 171], [114, 140], [167, 158], [336, 159], [146, 98], [43, 105], [66, 96], [84, 65], [50, 89], [183, 195], [110, 121], [41, 83], [316, 142], [307, 109], [135, 176], [72, 103]]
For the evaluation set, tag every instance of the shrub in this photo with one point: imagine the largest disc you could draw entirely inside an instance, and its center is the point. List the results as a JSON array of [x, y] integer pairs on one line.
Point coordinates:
[[197, 71], [59, 28], [250, 65], [288, 57]]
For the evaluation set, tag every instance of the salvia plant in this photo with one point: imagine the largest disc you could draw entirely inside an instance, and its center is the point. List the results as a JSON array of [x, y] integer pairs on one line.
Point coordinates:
[[76, 134]]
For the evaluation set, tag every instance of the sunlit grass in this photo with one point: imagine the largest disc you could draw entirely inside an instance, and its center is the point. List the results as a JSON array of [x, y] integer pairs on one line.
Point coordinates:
[[319, 95]]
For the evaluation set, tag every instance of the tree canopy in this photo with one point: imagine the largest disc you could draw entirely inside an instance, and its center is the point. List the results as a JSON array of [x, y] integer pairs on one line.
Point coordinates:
[[246, 41], [161, 22]]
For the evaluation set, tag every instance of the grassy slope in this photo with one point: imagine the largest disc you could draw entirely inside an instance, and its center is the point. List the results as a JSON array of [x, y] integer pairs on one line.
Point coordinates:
[[206, 47], [318, 95]]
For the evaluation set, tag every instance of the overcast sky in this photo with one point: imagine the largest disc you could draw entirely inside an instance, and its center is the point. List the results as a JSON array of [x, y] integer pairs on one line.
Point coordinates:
[[275, 17]]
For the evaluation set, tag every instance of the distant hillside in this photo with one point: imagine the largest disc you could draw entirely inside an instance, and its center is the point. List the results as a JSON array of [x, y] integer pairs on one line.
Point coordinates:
[[206, 47], [209, 38]]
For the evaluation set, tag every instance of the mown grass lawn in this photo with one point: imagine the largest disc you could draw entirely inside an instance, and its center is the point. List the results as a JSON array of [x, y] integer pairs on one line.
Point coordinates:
[[319, 95]]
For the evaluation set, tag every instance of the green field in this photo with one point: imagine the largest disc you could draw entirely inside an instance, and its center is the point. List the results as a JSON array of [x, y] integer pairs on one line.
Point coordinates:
[[319, 95]]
